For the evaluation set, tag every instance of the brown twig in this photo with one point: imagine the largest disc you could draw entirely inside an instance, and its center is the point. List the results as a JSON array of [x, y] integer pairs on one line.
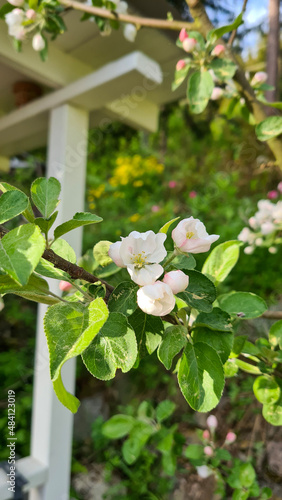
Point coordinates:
[[272, 315], [127, 18], [234, 32]]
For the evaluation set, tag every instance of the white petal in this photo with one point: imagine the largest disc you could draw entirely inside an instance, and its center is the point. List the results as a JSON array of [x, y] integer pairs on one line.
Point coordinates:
[[114, 253], [146, 275]]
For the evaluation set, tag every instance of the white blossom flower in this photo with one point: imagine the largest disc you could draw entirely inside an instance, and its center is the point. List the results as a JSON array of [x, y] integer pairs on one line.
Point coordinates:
[[156, 299], [177, 280], [38, 42], [259, 77], [273, 250], [249, 250], [190, 235], [130, 32], [217, 93], [247, 236], [189, 44], [212, 422], [16, 3], [267, 227], [140, 253], [14, 21], [203, 471]]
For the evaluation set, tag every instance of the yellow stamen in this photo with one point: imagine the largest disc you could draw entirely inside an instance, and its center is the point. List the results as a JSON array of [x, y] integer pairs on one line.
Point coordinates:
[[189, 235]]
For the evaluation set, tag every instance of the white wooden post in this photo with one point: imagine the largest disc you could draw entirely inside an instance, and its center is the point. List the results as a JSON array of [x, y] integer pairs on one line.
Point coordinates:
[[51, 442]]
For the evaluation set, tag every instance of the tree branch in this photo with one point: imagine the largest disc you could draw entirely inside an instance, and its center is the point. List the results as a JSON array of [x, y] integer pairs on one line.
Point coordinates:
[[204, 24], [272, 315], [234, 32], [127, 18]]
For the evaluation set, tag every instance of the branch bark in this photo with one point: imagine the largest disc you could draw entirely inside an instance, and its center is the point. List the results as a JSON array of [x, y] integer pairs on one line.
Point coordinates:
[[273, 42], [201, 19], [127, 18]]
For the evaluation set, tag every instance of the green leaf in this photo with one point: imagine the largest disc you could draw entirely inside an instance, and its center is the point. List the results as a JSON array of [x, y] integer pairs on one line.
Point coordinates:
[[79, 219], [36, 289], [114, 347], [69, 329], [165, 228], [5, 9], [164, 410], [63, 249], [217, 33], [12, 203], [201, 376], [245, 305], [217, 320], [46, 224], [47, 269], [194, 452], [174, 339], [247, 475], [184, 262], [148, 330], [28, 213], [133, 446], [224, 69], [221, 342], [269, 128], [179, 78], [275, 334], [230, 368], [247, 367], [101, 253], [45, 194], [266, 389], [199, 91], [221, 260], [20, 251], [273, 412], [118, 426], [124, 298], [201, 292]]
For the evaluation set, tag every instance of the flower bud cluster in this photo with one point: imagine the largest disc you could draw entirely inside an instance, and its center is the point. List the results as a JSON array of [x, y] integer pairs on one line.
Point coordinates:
[[142, 253], [129, 30], [265, 225], [23, 21]]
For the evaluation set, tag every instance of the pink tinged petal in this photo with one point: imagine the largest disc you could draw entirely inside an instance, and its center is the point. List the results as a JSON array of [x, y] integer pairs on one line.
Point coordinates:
[[206, 434], [230, 438], [199, 245], [189, 44], [146, 275], [177, 280], [208, 451], [212, 422], [183, 34], [114, 253], [65, 286], [156, 299]]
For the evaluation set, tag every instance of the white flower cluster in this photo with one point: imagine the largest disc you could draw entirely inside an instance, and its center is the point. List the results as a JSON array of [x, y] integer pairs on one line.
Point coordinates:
[[265, 227], [141, 254], [22, 21]]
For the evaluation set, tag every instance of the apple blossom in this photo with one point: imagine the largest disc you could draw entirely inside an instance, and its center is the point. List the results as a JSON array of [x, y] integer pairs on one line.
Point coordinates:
[[193, 194], [140, 253], [180, 65], [272, 195], [249, 250], [172, 184], [258, 242], [247, 236], [273, 250], [189, 44], [259, 77], [208, 451], [156, 299], [267, 227], [130, 32], [155, 208], [190, 235], [17, 31], [121, 7], [14, 21], [279, 187], [230, 438], [183, 35], [177, 280], [30, 14], [212, 422], [218, 50], [203, 471], [38, 42], [217, 93]]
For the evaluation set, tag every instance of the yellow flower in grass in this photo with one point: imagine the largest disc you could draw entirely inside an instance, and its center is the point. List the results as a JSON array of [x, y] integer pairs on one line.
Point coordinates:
[[138, 183], [134, 217], [92, 206]]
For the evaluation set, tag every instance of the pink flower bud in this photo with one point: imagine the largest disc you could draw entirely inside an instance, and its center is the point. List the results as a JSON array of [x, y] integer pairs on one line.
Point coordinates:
[[189, 44], [259, 77], [230, 438], [272, 195], [38, 42], [65, 286], [218, 50], [193, 194], [177, 280], [183, 35], [212, 422], [217, 93], [155, 208], [279, 187], [208, 451], [273, 250], [180, 65], [30, 14], [206, 434], [172, 184]]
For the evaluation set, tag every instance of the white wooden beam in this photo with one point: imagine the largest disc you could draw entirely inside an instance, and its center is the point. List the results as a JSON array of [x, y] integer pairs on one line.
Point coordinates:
[[59, 70], [51, 422], [134, 72], [135, 110]]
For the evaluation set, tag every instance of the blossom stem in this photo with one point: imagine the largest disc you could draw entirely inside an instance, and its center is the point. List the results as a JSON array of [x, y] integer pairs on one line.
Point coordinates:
[[171, 258]]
